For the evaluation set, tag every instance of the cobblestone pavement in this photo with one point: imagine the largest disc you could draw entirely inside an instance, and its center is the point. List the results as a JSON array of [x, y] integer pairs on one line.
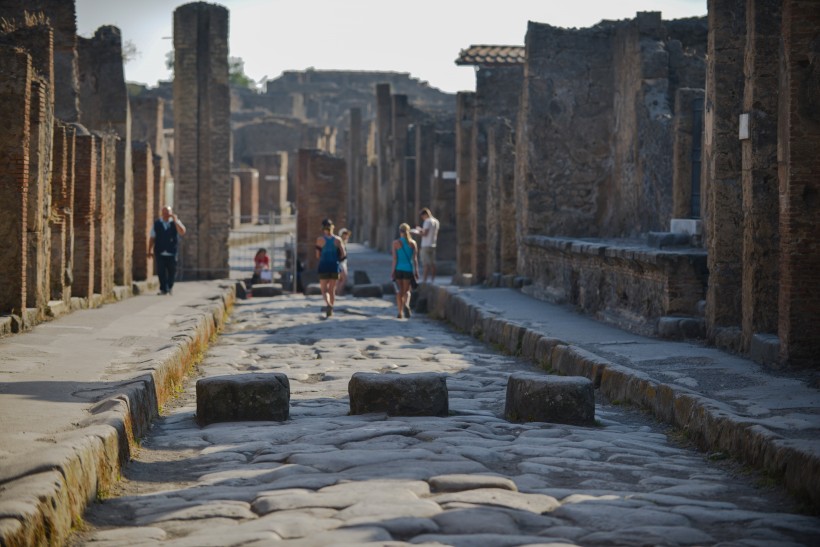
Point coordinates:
[[471, 479]]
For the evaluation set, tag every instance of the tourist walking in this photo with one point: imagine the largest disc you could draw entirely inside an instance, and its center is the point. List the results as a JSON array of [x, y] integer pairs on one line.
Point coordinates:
[[344, 234], [429, 235], [330, 252], [405, 268], [163, 245]]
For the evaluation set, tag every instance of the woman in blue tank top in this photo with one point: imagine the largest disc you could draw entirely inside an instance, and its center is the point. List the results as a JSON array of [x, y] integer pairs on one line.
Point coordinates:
[[405, 268], [330, 252]]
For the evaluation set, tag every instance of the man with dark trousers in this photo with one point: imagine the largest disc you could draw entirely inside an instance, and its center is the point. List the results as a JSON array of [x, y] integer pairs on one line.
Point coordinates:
[[163, 245]]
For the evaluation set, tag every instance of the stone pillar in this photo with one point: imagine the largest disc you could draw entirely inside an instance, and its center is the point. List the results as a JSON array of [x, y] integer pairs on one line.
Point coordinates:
[[443, 197], [478, 200], [236, 202], [62, 204], [384, 119], [425, 158], [249, 195], [273, 183], [723, 212], [370, 216], [321, 192], [202, 133], [687, 139], [354, 175], [465, 117], [799, 164], [104, 107], [759, 171], [15, 102], [38, 238], [398, 180], [145, 208], [104, 212], [502, 251], [85, 202]]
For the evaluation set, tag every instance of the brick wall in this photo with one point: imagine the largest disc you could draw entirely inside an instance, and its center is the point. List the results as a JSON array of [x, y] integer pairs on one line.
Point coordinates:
[[15, 102], [799, 165], [202, 134], [321, 193]]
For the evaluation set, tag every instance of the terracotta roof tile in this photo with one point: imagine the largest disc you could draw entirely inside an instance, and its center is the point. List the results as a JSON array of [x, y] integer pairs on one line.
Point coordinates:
[[491, 55]]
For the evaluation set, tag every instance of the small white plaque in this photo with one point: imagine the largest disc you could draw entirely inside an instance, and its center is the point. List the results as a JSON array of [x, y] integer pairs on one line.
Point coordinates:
[[743, 127]]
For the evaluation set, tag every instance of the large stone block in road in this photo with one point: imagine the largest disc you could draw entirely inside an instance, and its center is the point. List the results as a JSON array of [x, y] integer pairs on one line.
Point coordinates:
[[422, 394], [243, 397], [535, 397], [367, 291]]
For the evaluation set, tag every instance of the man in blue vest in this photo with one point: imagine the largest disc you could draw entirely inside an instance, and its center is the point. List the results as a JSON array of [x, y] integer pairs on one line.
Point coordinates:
[[163, 245]]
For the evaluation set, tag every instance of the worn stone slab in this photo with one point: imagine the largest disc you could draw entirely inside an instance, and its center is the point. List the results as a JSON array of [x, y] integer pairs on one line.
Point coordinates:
[[360, 277], [243, 397], [313, 289], [555, 399], [369, 290], [266, 289], [420, 394]]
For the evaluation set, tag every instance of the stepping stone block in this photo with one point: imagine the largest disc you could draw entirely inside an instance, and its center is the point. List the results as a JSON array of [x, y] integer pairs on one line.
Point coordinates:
[[367, 291], [360, 277], [422, 394], [243, 397], [266, 289], [535, 397], [313, 289]]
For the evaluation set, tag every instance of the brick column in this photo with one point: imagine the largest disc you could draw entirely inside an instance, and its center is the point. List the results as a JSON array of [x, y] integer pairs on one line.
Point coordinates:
[[145, 208], [321, 192], [799, 164], [85, 202], [62, 202], [759, 171], [202, 134], [124, 215], [15, 101], [723, 214], [465, 118]]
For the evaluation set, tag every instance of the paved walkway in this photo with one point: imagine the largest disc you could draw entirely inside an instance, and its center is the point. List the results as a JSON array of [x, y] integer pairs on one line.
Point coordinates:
[[326, 478]]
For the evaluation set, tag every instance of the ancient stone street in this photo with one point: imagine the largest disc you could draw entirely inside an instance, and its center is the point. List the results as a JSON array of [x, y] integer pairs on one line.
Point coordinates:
[[469, 479]]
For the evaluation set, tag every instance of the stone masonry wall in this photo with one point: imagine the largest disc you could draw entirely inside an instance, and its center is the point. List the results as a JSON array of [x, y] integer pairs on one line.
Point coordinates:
[[61, 218], [15, 101], [321, 193], [273, 183], [799, 164], [249, 195], [202, 134], [104, 215]]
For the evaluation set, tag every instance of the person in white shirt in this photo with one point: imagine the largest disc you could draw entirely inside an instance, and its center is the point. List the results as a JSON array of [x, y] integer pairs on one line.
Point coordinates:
[[429, 234]]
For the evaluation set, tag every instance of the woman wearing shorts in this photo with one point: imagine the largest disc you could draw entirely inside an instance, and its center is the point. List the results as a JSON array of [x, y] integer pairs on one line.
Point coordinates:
[[405, 268], [330, 252]]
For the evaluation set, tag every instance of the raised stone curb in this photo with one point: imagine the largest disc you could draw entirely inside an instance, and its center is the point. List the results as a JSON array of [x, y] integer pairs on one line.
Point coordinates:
[[420, 394], [243, 397], [711, 425], [552, 399], [43, 495]]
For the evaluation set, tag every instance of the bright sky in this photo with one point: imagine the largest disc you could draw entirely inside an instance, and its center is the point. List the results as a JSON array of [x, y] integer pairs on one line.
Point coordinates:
[[422, 37]]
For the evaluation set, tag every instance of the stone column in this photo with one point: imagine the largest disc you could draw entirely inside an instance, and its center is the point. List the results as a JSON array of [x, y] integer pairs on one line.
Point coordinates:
[[105, 216], [443, 197], [502, 251], [236, 202], [202, 133], [684, 173], [354, 175], [85, 202], [398, 180], [723, 212], [273, 183], [465, 117], [61, 221], [799, 164], [425, 157], [321, 192], [15, 101], [384, 118], [249, 195], [145, 208], [759, 171]]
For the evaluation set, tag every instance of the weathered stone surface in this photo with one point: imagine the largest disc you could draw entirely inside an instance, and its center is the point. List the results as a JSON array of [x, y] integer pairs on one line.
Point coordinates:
[[360, 277], [367, 291], [267, 289], [422, 394], [313, 289], [243, 397], [556, 399]]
